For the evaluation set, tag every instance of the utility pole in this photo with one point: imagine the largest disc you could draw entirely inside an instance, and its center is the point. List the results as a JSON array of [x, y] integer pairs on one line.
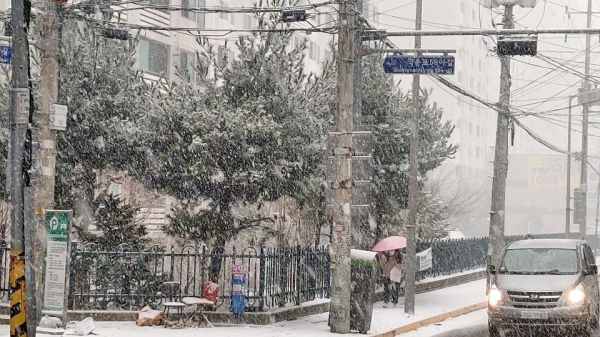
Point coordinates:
[[568, 209], [48, 24], [341, 285], [497, 212], [358, 76], [584, 131], [20, 111], [597, 215], [413, 182]]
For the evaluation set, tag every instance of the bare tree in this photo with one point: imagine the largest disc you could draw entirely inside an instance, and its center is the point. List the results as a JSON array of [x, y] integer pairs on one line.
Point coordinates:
[[463, 199]]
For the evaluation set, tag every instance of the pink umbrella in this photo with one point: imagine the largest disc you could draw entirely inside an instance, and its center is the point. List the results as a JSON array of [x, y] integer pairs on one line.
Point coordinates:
[[390, 243]]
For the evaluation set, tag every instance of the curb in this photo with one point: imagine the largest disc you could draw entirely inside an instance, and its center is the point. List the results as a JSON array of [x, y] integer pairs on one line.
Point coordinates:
[[432, 320]]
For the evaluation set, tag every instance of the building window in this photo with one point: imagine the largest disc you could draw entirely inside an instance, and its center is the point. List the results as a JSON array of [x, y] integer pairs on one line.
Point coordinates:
[[247, 21], [187, 66], [298, 42], [478, 130], [473, 14], [313, 52], [154, 57], [375, 14], [230, 58], [469, 153], [366, 12], [221, 57], [471, 82], [477, 152], [199, 17], [185, 9], [480, 65], [470, 127], [232, 18], [327, 54], [462, 6], [223, 15], [160, 3]]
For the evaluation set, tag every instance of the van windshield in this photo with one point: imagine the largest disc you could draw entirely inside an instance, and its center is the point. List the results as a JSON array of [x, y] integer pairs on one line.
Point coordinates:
[[539, 261]]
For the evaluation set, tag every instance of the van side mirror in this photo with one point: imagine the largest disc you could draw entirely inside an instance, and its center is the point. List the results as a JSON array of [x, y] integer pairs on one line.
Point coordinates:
[[492, 269], [592, 270]]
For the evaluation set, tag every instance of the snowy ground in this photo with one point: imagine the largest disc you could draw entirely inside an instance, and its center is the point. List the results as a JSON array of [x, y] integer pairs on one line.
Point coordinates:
[[384, 319]]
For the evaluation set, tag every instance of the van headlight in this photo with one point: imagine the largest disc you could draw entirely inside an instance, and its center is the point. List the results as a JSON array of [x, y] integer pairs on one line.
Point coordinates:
[[576, 296], [495, 296]]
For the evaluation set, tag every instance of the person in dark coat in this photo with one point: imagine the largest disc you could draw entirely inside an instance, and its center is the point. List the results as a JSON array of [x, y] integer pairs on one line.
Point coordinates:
[[392, 266]]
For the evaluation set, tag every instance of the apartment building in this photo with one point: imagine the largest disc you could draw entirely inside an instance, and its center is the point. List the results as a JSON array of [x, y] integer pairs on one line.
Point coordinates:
[[170, 52]]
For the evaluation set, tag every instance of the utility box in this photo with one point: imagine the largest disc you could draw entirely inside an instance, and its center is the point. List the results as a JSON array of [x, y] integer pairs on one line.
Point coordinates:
[[364, 278]]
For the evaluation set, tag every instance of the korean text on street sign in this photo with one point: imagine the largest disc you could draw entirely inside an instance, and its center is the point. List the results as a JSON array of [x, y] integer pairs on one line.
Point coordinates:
[[423, 65], [5, 54], [57, 230]]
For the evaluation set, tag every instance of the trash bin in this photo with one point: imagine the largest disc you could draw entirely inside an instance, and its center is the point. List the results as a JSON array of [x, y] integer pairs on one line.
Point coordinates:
[[364, 277]]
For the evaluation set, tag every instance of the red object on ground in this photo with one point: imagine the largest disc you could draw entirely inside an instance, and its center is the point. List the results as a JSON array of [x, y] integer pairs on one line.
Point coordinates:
[[390, 243], [211, 291]]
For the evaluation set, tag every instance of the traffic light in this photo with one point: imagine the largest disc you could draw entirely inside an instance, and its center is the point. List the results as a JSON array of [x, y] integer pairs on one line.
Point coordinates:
[[578, 217]]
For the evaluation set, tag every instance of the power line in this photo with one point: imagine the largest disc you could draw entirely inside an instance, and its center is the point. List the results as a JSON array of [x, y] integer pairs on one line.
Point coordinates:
[[217, 9]]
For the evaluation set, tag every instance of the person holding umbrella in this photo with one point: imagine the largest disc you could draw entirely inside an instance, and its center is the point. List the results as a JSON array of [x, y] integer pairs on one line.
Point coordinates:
[[392, 263]]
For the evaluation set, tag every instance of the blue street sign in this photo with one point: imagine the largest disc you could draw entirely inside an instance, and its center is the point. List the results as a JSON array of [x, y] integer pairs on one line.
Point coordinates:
[[423, 65], [5, 54]]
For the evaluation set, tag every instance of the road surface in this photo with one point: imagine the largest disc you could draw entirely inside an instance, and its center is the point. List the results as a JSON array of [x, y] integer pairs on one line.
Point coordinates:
[[471, 325]]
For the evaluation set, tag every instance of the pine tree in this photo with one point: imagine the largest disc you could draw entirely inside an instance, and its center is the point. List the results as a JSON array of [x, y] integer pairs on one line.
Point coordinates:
[[106, 96], [117, 224], [386, 109], [256, 136]]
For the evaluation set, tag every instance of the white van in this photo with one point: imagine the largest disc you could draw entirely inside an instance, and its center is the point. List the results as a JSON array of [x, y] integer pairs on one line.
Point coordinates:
[[545, 283]]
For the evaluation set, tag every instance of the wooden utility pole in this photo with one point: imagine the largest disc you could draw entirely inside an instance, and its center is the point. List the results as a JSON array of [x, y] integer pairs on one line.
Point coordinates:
[[413, 182], [20, 111], [341, 285], [568, 208], [497, 212], [48, 25]]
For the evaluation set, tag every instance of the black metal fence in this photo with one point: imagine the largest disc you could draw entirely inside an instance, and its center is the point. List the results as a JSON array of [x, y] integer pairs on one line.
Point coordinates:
[[130, 278], [452, 256]]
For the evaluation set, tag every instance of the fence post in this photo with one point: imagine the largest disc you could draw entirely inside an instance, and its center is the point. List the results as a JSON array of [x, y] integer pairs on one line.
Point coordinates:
[[261, 279], [299, 277], [72, 276], [172, 263], [203, 266]]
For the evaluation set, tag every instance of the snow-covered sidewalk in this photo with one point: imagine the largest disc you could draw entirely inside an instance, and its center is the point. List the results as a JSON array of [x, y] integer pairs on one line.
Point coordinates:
[[429, 304]]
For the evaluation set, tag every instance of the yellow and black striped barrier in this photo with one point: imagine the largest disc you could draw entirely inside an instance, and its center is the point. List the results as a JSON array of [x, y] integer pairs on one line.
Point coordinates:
[[18, 322]]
